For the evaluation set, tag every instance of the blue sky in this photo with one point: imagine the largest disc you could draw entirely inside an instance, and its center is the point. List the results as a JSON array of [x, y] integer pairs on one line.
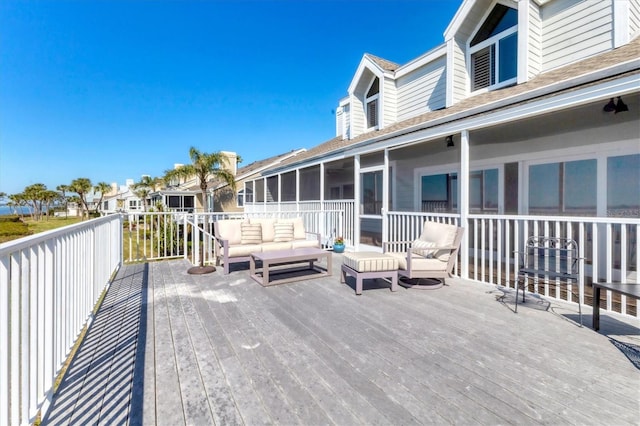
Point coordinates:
[[111, 90]]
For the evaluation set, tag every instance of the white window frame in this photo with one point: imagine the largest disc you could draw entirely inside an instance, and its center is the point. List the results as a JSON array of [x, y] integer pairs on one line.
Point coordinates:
[[455, 168], [239, 197], [495, 40], [370, 99]]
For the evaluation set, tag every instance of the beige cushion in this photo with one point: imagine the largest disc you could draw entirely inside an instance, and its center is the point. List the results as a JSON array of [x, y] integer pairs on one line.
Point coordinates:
[[230, 229], [268, 232], [251, 233], [305, 243], [276, 246], [423, 248], [283, 232], [419, 263], [298, 227], [365, 261], [244, 250], [442, 234]]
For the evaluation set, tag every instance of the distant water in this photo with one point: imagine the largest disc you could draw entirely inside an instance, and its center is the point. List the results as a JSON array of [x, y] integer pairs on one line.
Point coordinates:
[[4, 210]]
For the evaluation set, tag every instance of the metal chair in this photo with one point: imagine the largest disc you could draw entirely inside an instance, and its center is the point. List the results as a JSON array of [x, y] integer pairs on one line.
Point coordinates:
[[549, 258]]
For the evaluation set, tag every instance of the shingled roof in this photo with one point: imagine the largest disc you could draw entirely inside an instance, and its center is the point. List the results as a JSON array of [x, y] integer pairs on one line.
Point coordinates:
[[383, 63], [469, 107]]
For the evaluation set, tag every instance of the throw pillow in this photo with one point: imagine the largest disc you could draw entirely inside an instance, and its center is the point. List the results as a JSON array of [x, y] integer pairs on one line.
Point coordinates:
[[251, 233], [423, 248], [283, 231]]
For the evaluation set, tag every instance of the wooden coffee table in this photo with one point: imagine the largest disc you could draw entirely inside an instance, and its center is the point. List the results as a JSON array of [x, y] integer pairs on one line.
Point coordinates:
[[288, 257]]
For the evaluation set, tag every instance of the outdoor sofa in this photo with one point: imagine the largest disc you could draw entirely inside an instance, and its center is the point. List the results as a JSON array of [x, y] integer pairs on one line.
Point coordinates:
[[236, 239]]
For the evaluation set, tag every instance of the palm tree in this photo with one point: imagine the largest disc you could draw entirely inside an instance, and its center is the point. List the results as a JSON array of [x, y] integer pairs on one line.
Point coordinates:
[[48, 198], [17, 201], [204, 167], [35, 195], [144, 187], [63, 190], [102, 188], [82, 186]]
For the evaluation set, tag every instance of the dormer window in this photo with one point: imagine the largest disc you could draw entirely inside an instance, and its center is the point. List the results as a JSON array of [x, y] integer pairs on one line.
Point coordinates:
[[494, 50], [371, 103]]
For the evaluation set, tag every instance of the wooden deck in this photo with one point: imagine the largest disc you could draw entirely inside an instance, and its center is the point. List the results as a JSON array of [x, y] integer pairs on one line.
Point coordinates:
[[170, 348]]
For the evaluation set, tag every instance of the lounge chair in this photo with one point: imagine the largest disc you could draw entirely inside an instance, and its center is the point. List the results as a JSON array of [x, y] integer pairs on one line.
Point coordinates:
[[432, 255]]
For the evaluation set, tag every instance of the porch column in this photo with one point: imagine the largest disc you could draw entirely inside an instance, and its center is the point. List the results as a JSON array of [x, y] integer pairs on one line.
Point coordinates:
[[323, 231], [279, 200], [297, 190], [385, 197], [264, 194], [464, 202], [356, 196]]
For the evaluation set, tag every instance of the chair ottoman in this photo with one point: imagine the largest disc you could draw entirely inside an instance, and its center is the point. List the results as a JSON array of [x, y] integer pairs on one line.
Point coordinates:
[[367, 264]]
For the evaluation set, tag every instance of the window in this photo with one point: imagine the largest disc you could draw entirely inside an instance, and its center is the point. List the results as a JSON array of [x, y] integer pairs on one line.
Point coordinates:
[[240, 198], [372, 103], [494, 50], [371, 197], [483, 190], [623, 186], [248, 192], [440, 193], [563, 188]]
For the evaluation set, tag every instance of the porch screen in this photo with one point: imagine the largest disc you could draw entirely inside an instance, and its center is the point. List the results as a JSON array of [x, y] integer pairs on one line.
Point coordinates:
[[440, 193], [623, 186], [566, 188]]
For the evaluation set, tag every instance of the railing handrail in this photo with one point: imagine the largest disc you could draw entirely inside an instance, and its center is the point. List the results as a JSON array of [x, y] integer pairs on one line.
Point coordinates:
[[493, 216], [29, 240]]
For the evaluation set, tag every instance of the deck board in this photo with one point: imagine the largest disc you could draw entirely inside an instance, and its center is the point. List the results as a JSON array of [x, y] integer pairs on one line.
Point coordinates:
[[171, 348]]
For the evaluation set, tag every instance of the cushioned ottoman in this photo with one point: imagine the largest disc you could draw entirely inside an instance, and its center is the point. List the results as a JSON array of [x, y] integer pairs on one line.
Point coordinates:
[[367, 264]]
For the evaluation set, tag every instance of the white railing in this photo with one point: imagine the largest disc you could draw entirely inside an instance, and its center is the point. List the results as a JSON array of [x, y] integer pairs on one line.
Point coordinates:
[[156, 236], [344, 228], [609, 248], [49, 285]]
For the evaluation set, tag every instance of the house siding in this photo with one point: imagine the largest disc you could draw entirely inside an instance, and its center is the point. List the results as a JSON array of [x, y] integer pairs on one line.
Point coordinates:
[[422, 90], [339, 122], [357, 117], [574, 30], [459, 75], [535, 41], [390, 102], [634, 18]]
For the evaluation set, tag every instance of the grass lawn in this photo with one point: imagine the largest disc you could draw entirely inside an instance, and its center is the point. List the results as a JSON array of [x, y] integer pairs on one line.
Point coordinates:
[[51, 223], [34, 227]]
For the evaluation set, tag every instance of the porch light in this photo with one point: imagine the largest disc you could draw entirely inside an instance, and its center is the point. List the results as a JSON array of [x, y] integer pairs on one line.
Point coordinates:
[[449, 141], [614, 107], [621, 106], [610, 107]]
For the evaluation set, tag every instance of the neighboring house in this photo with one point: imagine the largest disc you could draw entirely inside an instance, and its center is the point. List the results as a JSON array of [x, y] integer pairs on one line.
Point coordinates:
[[186, 196], [529, 111], [223, 199], [122, 199]]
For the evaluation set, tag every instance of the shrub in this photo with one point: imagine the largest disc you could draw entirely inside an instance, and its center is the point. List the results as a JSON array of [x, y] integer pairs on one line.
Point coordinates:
[[9, 218]]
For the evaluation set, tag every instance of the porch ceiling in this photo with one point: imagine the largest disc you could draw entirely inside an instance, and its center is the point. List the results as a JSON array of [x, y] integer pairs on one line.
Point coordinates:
[[581, 117]]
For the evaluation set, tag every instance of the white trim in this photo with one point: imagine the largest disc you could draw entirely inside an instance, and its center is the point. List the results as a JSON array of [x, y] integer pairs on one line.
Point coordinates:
[[449, 73], [365, 63], [422, 60], [621, 21], [522, 73]]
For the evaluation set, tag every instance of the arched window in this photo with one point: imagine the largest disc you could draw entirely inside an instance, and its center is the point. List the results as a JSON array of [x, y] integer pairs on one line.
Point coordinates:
[[494, 50]]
